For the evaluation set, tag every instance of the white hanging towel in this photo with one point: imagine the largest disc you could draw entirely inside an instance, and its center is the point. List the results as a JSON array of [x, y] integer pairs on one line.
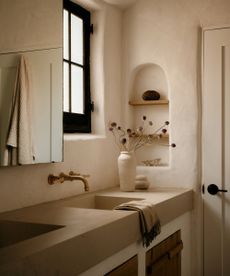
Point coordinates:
[[19, 143]]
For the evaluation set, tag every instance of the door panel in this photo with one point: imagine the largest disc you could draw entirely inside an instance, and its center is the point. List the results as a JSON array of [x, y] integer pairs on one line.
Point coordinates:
[[226, 202], [216, 149]]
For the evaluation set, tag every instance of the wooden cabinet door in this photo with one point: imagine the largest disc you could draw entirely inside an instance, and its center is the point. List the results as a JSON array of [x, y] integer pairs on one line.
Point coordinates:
[[165, 258], [129, 268]]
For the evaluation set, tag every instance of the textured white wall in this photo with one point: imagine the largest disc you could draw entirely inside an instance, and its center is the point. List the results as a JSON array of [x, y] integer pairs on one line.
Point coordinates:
[[46, 34], [167, 33], [161, 32], [158, 32], [27, 185]]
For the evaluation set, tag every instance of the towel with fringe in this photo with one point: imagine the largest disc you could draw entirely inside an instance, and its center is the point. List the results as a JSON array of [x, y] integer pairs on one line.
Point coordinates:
[[150, 225], [19, 146]]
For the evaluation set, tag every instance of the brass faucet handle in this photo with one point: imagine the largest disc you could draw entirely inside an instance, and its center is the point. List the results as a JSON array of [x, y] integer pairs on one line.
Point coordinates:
[[73, 173], [52, 179], [78, 174], [62, 177]]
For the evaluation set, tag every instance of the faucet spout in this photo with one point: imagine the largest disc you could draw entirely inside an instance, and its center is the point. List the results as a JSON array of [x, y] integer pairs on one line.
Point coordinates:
[[72, 177]]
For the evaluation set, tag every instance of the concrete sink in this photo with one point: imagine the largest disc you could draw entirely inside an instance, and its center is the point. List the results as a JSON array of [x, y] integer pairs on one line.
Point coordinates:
[[12, 232], [94, 201]]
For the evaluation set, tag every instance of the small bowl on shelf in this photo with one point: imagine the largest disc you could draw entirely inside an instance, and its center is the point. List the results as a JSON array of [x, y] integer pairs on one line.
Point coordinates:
[[151, 95]]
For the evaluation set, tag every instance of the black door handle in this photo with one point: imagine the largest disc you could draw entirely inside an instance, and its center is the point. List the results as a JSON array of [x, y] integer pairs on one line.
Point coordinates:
[[213, 189]]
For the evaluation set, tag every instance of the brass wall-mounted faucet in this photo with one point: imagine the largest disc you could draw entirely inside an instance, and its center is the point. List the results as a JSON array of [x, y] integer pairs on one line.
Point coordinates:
[[52, 179]]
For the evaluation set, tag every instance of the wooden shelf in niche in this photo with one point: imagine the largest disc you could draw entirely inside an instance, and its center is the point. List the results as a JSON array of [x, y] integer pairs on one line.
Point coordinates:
[[142, 102], [164, 136]]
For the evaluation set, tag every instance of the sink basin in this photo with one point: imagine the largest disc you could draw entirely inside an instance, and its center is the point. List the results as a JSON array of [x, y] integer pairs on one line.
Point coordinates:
[[97, 202], [12, 232]]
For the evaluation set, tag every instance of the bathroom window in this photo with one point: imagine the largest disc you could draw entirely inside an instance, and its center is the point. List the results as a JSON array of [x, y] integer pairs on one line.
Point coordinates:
[[76, 62]]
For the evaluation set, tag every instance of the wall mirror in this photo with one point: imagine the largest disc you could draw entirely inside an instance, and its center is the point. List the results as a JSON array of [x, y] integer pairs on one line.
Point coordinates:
[[30, 82]]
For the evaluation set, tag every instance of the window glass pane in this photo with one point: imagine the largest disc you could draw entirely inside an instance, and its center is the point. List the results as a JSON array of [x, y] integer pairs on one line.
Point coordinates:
[[66, 86], [77, 102], [65, 35], [76, 39]]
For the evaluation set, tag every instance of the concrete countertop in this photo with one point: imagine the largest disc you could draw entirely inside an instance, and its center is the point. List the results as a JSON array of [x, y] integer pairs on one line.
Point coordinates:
[[169, 202], [89, 235]]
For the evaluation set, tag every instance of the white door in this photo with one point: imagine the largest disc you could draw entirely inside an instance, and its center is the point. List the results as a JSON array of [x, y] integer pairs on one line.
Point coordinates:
[[216, 150]]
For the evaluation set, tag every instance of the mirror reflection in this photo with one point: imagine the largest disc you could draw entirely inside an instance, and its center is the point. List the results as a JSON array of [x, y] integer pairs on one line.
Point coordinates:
[[30, 82]]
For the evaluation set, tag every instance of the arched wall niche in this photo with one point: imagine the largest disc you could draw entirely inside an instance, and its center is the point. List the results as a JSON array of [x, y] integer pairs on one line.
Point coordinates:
[[149, 76], [145, 77]]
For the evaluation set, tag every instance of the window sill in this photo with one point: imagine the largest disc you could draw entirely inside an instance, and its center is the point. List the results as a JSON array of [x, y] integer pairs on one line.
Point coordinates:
[[83, 136]]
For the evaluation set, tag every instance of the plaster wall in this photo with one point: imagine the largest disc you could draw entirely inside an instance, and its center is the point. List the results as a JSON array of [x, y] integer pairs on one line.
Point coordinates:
[[31, 35], [168, 33], [92, 154], [163, 33]]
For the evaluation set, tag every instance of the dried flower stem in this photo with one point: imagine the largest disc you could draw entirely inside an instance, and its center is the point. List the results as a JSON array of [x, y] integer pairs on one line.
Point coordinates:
[[130, 140]]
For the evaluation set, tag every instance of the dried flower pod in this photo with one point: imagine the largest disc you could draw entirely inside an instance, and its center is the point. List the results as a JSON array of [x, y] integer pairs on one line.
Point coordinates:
[[140, 129], [132, 140]]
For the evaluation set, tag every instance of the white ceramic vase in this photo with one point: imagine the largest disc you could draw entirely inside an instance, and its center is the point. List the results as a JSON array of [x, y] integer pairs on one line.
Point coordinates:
[[127, 171]]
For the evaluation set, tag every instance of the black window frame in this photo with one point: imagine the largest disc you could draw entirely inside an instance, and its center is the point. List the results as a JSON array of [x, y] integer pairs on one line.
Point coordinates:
[[74, 122]]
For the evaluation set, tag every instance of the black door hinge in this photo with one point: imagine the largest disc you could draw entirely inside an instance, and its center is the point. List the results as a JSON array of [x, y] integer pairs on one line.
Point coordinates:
[[91, 106], [91, 29], [203, 189]]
